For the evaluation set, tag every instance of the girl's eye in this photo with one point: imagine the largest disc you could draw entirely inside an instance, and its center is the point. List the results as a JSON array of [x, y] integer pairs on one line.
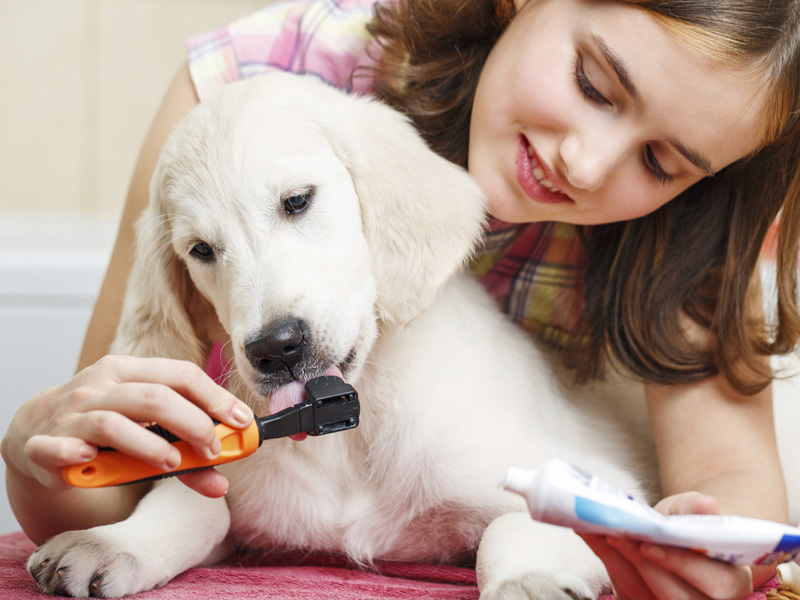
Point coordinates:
[[652, 164], [202, 251], [296, 203], [585, 86]]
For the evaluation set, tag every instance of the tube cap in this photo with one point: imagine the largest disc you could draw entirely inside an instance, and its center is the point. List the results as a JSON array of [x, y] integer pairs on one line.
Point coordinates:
[[519, 481]]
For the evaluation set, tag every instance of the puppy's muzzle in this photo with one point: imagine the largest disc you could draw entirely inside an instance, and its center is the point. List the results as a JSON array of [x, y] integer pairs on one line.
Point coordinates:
[[279, 347]]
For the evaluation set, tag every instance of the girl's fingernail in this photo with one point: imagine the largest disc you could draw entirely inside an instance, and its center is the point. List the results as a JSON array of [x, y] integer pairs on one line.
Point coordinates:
[[653, 552], [241, 415], [173, 459], [216, 448], [88, 452]]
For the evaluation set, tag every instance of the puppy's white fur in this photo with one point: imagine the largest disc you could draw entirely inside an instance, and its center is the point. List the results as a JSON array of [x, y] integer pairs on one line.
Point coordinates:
[[452, 393]]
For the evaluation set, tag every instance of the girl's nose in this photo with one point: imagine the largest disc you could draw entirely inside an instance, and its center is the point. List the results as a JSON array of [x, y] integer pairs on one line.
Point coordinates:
[[589, 158]]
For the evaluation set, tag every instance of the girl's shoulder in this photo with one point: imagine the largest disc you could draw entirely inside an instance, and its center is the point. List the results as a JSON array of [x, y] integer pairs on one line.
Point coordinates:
[[325, 38]]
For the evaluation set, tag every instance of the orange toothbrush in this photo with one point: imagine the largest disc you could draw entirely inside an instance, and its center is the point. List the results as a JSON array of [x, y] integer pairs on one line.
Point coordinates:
[[331, 405]]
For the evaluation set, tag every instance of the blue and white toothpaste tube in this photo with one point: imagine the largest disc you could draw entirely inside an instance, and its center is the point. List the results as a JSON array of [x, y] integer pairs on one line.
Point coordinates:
[[560, 494]]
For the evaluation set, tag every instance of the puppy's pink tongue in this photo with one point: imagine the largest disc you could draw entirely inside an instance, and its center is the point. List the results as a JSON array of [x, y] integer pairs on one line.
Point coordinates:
[[294, 393]]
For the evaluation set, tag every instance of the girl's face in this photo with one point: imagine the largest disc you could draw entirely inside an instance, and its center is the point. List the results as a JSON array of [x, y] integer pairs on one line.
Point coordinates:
[[589, 111]]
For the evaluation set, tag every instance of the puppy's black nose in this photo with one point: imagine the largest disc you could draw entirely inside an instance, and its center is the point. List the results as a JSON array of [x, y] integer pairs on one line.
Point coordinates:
[[279, 347]]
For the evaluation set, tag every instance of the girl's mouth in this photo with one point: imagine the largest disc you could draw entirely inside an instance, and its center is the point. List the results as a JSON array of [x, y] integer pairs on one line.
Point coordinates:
[[533, 177]]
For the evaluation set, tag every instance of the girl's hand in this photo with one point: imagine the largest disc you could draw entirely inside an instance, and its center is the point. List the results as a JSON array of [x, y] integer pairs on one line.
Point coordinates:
[[644, 571], [106, 405]]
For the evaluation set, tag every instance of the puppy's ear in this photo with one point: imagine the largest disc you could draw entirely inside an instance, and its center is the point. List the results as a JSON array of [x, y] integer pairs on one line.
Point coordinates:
[[163, 314], [422, 215]]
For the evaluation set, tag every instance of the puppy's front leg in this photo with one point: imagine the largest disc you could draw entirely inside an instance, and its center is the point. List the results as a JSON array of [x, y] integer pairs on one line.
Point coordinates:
[[522, 559], [172, 529]]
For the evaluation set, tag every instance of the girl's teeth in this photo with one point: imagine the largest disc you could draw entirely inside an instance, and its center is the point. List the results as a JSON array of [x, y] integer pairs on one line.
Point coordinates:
[[547, 184], [538, 172]]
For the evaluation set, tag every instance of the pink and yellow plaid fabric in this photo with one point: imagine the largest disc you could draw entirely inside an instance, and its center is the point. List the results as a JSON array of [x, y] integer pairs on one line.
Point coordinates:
[[534, 271], [326, 38]]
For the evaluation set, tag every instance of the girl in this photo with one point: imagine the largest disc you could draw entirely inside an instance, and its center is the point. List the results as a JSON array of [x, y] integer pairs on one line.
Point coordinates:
[[634, 155]]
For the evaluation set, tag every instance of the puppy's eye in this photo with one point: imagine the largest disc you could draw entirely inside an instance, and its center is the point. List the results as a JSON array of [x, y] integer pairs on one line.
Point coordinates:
[[296, 203], [202, 251]]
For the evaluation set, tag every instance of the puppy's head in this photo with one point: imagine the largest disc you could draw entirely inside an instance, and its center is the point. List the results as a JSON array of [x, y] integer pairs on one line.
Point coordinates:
[[305, 218]]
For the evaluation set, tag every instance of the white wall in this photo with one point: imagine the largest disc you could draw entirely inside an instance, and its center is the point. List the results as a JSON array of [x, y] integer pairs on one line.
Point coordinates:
[[81, 81], [50, 272]]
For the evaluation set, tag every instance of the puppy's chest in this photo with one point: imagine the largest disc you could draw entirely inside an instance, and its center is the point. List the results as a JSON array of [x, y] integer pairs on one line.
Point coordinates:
[[330, 498], [289, 489]]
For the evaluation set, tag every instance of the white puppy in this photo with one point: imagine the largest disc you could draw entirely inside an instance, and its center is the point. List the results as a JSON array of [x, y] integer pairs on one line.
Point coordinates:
[[324, 237]]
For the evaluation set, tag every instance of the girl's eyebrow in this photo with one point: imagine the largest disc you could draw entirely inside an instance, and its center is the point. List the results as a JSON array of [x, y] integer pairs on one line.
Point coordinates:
[[623, 75], [698, 160], [619, 68]]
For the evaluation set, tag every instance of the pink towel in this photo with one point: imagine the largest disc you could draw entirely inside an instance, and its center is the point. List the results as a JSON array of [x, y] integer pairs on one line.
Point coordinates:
[[283, 577], [286, 577]]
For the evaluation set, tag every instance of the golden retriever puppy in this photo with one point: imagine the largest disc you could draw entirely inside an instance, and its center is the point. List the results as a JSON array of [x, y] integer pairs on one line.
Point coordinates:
[[323, 236]]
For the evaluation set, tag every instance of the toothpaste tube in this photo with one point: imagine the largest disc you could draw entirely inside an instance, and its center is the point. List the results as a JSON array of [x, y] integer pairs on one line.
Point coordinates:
[[560, 494]]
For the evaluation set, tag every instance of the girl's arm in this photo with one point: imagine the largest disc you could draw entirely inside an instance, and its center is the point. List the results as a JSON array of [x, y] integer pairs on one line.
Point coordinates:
[[711, 439], [179, 100], [104, 403], [717, 454]]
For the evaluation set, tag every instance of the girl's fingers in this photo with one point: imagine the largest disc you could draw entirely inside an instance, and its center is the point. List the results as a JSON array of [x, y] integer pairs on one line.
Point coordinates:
[[51, 453], [186, 378], [114, 430], [176, 394], [625, 578], [688, 503], [713, 578], [107, 403], [208, 482], [48, 454], [145, 403], [73, 437], [662, 584], [54, 452], [641, 571]]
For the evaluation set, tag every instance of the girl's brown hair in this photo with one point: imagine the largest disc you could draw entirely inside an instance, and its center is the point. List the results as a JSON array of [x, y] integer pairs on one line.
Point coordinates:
[[695, 257]]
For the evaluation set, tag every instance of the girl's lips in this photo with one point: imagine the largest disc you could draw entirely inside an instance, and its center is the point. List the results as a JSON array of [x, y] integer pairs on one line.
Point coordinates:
[[540, 188]]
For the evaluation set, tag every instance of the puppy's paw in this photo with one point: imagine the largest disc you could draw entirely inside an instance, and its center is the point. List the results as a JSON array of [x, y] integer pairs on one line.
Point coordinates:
[[84, 564], [520, 558], [542, 584]]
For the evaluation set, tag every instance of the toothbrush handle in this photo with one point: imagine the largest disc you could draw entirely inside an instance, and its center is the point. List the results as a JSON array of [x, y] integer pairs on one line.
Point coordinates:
[[110, 467]]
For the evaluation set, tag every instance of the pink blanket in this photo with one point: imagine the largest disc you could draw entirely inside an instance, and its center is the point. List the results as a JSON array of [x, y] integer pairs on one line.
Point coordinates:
[[278, 578]]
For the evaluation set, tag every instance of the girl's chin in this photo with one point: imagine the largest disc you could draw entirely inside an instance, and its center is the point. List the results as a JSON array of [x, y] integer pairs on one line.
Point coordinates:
[[502, 211]]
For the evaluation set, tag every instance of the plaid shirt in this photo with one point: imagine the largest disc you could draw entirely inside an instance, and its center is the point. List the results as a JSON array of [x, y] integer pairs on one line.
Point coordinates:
[[535, 271], [326, 38]]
